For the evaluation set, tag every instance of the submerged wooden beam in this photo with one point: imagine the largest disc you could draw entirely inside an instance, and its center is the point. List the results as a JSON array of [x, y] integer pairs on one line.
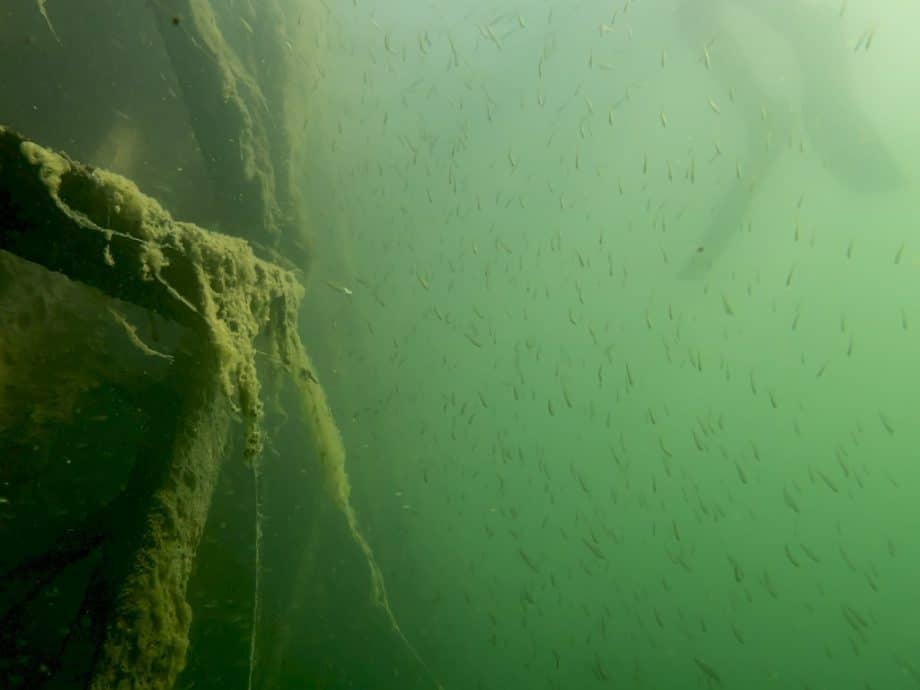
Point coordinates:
[[241, 114], [144, 637], [64, 216], [99, 229]]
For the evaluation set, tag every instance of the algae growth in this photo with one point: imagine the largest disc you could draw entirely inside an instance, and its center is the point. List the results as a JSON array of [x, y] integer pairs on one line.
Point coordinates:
[[232, 300]]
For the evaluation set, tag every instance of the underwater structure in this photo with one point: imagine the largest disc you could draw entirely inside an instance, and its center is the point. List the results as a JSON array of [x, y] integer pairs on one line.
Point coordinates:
[[163, 525]]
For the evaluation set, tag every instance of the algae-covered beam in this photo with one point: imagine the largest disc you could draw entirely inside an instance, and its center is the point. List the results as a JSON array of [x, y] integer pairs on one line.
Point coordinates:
[[98, 228], [145, 634], [64, 216], [239, 122]]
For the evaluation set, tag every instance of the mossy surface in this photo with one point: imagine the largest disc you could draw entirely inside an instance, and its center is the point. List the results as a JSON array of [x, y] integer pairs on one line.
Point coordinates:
[[231, 300]]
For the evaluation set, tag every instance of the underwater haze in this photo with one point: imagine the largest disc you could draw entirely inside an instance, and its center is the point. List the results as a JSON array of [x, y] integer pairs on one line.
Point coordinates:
[[631, 320], [615, 306]]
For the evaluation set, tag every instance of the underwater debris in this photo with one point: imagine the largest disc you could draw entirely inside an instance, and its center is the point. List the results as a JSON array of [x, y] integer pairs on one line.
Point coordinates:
[[228, 297], [215, 285]]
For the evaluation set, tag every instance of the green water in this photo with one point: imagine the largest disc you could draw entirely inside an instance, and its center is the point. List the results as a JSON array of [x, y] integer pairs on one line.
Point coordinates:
[[582, 464], [615, 306]]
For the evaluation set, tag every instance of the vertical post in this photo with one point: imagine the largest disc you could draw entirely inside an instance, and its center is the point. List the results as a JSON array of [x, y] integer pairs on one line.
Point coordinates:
[[145, 637]]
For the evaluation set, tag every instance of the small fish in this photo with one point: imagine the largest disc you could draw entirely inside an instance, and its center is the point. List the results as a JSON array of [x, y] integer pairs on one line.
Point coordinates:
[[593, 548], [309, 375], [792, 559], [741, 473], [528, 561], [339, 288], [708, 670], [886, 424], [855, 620]]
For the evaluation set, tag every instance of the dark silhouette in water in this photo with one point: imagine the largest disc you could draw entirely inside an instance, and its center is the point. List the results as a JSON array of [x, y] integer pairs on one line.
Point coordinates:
[[829, 113]]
